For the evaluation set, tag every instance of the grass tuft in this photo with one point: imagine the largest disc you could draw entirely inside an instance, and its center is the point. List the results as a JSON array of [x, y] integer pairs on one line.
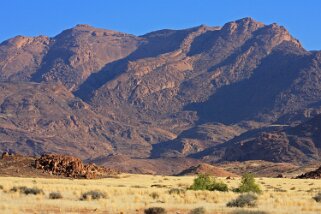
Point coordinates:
[[245, 200], [155, 210], [55, 195], [93, 195]]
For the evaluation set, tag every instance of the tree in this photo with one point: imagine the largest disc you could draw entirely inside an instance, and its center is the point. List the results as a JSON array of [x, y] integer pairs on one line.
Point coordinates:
[[248, 184]]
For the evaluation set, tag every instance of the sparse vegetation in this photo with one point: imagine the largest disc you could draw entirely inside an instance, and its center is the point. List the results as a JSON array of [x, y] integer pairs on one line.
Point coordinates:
[[244, 200], [206, 182], [154, 195], [26, 190], [199, 210], [92, 195], [32, 191], [17, 189], [248, 212], [317, 198], [155, 210], [248, 184], [171, 196], [55, 195], [277, 189], [176, 191]]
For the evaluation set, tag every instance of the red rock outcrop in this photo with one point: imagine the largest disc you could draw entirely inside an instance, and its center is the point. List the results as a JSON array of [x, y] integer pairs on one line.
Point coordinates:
[[70, 166]]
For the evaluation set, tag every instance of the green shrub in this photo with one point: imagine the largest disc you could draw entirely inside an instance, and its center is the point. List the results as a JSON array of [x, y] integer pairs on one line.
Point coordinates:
[[317, 198], [248, 184], [93, 195], [199, 210], [206, 182], [246, 200], [202, 182], [55, 195], [155, 210], [218, 186]]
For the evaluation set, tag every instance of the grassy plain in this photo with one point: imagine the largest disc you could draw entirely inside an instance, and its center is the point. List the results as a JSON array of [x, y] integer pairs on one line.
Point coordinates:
[[133, 193]]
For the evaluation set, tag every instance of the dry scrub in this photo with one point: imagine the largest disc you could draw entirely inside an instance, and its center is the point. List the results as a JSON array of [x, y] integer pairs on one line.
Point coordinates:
[[135, 193]]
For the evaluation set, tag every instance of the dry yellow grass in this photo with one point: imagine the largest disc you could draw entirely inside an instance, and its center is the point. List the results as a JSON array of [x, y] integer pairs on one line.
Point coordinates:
[[134, 193]]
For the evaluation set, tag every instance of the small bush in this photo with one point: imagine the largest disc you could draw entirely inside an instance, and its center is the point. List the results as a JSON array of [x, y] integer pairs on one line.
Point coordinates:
[[199, 210], [202, 182], [92, 195], [247, 200], [137, 186], [32, 191], [218, 186], [27, 190], [176, 191], [158, 185], [248, 212], [155, 210], [248, 184], [317, 198], [16, 189], [154, 195], [55, 195], [206, 182], [279, 190]]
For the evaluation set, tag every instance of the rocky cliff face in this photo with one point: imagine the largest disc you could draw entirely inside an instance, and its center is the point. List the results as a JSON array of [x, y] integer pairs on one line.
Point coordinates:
[[169, 93], [299, 144], [37, 118]]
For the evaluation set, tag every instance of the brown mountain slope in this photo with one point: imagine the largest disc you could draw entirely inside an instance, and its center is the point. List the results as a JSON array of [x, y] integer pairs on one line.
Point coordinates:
[[163, 86], [163, 166], [208, 170], [169, 93], [38, 118], [21, 56], [299, 144]]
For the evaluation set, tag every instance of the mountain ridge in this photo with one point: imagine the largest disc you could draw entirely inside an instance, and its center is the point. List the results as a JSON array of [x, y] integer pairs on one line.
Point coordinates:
[[164, 94]]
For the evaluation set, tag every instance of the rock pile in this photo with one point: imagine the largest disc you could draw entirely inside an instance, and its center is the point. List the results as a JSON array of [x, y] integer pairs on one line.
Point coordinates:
[[6, 155], [316, 174], [69, 166], [10, 156]]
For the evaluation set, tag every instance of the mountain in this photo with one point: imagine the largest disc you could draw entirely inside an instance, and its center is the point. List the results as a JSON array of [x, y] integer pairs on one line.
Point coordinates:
[[299, 144], [199, 92]]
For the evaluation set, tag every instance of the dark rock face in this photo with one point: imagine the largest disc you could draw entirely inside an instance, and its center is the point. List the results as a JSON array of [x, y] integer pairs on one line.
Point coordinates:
[[316, 174], [205, 92], [299, 144]]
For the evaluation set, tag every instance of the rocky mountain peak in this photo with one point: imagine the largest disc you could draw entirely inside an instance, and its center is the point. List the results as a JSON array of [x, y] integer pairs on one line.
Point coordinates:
[[281, 34], [242, 25], [83, 26]]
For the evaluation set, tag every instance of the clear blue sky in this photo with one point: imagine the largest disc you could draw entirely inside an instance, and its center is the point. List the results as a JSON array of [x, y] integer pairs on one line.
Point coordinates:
[[49, 17]]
